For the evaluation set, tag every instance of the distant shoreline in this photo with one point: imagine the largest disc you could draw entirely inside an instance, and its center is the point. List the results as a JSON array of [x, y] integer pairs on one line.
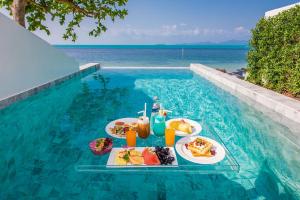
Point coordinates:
[[159, 46]]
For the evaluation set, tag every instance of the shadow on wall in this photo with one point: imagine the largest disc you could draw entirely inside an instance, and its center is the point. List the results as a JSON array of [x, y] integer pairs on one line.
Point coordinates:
[[267, 187], [169, 186]]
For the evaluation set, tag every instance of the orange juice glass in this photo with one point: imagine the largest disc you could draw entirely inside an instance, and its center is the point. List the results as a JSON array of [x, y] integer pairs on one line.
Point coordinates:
[[170, 137], [131, 138]]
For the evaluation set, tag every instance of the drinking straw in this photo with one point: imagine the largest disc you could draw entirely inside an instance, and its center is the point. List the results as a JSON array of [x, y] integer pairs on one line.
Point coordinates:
[[144, 111], [164, 110]]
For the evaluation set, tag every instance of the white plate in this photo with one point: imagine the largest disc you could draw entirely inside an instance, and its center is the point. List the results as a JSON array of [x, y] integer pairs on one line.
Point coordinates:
[[111, 160], [112, 124], [186, 154], [197, 128]]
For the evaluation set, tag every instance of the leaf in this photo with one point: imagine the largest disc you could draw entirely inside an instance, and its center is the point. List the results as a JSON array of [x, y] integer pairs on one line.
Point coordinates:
[[126, 157], [71, 13], [274, 55]]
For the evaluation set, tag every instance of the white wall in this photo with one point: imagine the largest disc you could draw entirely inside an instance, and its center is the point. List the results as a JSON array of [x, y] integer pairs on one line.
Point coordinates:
[[26, 61], [274, 12]]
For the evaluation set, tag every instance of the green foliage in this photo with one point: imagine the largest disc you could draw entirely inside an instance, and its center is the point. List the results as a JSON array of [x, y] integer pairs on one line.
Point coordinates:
[[274, 56], [71, 13]]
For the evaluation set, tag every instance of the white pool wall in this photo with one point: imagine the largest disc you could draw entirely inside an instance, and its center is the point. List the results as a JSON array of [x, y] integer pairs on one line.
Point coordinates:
[[26, 61]]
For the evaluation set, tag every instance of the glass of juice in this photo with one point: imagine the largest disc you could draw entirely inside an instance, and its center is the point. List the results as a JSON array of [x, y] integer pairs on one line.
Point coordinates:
[[170, 137], [131, 138], [159, 125], [143, 127]]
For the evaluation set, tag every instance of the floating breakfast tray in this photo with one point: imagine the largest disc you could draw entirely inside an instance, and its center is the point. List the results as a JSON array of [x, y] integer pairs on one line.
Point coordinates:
[[111, 160], [105, 163]]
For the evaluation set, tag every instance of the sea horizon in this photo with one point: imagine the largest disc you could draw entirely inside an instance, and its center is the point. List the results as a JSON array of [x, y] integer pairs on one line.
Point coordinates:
[[159, 46], [230, 57]]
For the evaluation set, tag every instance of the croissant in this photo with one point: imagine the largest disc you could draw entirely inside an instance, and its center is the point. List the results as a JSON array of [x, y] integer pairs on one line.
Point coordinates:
[[181, 126]]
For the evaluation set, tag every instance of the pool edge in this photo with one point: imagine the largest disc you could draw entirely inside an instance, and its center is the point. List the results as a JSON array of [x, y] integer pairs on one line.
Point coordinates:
[[83, 70], [280, 108]]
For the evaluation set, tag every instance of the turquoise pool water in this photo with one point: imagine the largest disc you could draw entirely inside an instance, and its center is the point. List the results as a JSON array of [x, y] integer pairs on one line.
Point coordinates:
[[45, 136]]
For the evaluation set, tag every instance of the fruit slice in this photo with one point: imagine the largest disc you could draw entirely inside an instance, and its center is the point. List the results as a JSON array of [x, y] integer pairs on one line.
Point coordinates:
[[119, 160], [150, 158], [136, 160]]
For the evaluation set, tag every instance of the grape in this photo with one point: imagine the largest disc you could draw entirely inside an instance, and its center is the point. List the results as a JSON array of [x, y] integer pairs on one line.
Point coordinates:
[[163, 155]]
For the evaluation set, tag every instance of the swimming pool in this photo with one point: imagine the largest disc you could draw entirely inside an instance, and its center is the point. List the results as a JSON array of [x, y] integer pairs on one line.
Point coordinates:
[[44, 136]]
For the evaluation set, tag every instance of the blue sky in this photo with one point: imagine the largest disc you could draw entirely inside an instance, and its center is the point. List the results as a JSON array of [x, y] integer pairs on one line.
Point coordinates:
[[175, 22]]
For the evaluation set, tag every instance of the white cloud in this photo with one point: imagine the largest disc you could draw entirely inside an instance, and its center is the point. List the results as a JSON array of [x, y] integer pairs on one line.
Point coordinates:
[[241, 29], [165, 31]]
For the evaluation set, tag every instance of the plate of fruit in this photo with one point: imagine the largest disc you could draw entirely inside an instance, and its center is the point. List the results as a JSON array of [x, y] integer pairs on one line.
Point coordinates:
[[101, 146], [142, 157]]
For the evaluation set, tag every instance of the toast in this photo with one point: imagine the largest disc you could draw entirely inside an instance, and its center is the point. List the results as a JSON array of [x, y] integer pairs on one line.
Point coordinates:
[[200, 147]]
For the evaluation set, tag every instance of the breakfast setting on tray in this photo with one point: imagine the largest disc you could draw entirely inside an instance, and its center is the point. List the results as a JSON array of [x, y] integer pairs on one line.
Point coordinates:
[[191, 146]]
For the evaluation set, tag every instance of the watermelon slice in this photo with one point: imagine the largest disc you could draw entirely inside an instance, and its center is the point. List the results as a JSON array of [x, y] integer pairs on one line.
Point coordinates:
[[150, 157]]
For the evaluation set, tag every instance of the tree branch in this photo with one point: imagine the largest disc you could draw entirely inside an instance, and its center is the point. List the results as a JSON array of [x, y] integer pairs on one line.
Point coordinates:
[[42, 7], [35, 12], [77, 8]]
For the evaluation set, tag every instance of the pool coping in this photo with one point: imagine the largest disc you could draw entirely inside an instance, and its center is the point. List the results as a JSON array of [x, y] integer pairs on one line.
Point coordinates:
[[83, 70], [143, 67], [283, 105]]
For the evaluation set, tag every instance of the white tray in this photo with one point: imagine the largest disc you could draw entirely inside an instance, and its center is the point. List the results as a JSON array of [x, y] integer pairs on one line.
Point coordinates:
[[111, 159]]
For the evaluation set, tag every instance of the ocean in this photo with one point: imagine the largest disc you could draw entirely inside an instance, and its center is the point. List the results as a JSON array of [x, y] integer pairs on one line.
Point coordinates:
[[229, 57]]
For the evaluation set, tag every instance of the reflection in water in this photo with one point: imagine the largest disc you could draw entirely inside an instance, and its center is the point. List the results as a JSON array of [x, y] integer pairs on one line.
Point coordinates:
[[94, 102], [44, 137]]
